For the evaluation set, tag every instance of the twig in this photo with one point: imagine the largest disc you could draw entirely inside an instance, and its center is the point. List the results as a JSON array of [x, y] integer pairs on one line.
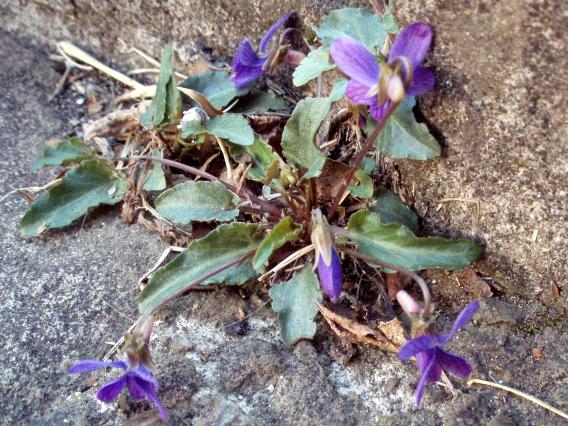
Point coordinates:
[[294, 256], [243, 192], [161, 260], [226, 158], [249, 315], [73, 51], [198, 281], [360, 155], [419, 280], [32, 189], [519, 393]]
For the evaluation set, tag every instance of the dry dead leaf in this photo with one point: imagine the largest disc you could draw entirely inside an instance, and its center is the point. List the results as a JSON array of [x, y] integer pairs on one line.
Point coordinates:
[[388, 337]]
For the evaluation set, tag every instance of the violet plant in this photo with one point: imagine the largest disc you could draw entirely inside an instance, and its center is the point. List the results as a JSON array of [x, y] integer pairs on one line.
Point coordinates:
[[277, 189]]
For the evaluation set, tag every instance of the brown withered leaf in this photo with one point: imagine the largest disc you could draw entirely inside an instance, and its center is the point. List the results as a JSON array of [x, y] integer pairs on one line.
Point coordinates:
[[388, 337], [330, 179], [118, 123]]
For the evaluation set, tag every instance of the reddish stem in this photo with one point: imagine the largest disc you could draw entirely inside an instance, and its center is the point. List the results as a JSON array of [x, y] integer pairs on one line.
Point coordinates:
[[360, 155]]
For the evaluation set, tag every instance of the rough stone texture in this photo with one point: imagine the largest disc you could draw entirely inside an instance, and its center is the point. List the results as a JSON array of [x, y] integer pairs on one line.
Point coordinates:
[[498, 110]]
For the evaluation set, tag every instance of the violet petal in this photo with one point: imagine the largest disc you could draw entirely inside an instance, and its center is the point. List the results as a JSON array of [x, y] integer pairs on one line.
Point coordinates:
[[139, 389], [415, 346], [423, 81], [110, 391], [331, 277], [144, 374], [89, 365], [413, 43], [454, 363], [270, 33], [355, 60], [463, 318], [378, 112], [357, 92], [244, 75], [246, 55], [425, 364]]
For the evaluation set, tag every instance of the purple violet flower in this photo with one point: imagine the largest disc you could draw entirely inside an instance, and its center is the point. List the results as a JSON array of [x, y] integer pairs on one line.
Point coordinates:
[[430, 356], [366, 86], [331, 277], [139, 381], [249, 64]]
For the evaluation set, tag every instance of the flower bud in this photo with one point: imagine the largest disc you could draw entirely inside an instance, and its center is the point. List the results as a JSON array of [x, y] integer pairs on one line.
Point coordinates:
[[395, 89], [331, 277], [327, 261], [408, 304]]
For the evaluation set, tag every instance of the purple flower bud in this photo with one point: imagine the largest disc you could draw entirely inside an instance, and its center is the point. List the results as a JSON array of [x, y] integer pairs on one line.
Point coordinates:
[[331, 278], [408, 51], [432, 359], [139, 381], [248, 64]]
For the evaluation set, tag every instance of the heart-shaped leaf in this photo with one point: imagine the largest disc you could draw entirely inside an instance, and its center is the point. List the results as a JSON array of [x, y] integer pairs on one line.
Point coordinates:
[[72, 150], [359, 24], [233, 127], [200, 201], [392, 210], [215, 86], [404, 137], [312, 66], [294, 300], [299, 135], [396, 244], [286, 230], [266, 162], [225, 245], [88, 185]]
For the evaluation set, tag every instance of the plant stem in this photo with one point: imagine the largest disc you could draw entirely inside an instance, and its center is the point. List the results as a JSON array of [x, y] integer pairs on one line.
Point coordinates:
[[360, 155], [244, 193], [413, 275]]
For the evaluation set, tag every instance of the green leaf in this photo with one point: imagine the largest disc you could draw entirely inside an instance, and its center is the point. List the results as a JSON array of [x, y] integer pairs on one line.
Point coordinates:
[[338, 89], [286, 230], [222, 246], [88, 185], [299, 135], [365, 187], [388, 18], [201, 201], [396, 244], [215, 86], [166, 104], [293, 300], [404, 137], [260, 103], [392, 210], [359, 24], [266, 162], [368, 165], [155, 178], [233, 127], [72, 150], [312, 66], [192, 128]]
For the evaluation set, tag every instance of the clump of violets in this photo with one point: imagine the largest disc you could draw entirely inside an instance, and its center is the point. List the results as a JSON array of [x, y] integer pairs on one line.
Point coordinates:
[[426, 347], [137, 377], [327, 261], [249, 64], [379, 85]]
